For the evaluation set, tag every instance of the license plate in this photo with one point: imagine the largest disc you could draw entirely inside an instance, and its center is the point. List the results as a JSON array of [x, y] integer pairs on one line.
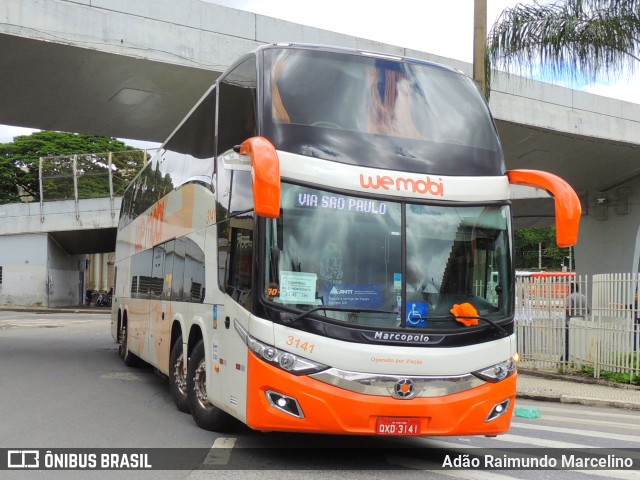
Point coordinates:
[[398, 426]]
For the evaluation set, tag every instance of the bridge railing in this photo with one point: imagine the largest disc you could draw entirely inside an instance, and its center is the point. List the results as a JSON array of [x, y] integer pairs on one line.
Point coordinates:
[[91, 175]]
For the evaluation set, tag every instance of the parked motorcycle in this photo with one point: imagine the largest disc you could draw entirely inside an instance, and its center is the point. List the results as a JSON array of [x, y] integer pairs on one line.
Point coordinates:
[[104, 299]]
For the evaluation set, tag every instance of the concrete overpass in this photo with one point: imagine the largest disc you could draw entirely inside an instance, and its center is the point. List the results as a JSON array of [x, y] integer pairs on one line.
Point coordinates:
[[44, 247], [82, 227], [133, 69]]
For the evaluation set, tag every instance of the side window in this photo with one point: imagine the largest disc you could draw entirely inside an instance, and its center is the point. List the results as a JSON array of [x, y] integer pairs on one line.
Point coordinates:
[[240, 266], [177, 276], [241, 192], [223, 196], [235, 249], [195, 137], [141, 274], [169, 261], [157, 272], [194, 287], [190, 150], [236, 123], [237, 106]]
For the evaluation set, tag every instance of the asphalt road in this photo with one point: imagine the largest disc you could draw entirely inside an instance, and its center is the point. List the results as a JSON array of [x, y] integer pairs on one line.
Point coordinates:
[[63, 386]]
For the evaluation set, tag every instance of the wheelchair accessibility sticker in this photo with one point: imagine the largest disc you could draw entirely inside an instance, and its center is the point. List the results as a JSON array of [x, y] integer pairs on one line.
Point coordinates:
[[417, 313]]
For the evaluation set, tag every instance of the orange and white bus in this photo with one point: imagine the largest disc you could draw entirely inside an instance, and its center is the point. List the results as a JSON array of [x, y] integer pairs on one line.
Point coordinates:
[[304, 251], [545, 284]]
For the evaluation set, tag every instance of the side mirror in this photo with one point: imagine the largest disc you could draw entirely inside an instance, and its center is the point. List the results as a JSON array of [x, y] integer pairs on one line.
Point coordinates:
[[265, 172], [567, 203]]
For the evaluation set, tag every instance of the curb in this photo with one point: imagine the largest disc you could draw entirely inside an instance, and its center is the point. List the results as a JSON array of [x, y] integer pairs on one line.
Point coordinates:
[[573, 400], [596, 402], [569, 377], [16, 309]]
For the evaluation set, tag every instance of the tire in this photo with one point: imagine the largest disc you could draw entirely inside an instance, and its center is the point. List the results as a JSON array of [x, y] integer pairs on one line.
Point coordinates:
[[178, 377], [204, 414], [130, 360]]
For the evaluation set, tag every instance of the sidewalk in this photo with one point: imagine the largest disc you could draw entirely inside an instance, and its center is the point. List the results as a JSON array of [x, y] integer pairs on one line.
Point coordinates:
[[73, 309], [573, 389]]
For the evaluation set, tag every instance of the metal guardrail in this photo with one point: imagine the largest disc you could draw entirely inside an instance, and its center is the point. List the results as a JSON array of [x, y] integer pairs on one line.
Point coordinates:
[[91, 175], [605, 341]]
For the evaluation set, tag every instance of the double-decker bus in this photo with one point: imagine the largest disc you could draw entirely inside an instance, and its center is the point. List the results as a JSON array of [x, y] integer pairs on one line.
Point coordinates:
[[324, 244]]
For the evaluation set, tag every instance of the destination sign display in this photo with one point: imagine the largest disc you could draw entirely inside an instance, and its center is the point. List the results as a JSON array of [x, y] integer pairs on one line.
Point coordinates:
[[338, 202]]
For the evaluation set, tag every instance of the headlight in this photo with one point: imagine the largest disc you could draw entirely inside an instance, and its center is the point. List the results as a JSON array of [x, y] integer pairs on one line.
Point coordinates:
[[279, 358], [497, 372]]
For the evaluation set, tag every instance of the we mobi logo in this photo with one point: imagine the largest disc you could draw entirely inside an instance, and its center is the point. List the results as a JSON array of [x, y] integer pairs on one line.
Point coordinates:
[[401, 184]]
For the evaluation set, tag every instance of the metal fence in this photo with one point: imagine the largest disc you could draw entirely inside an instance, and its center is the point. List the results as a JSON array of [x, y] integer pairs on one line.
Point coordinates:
[[602, 341], [93, 175]]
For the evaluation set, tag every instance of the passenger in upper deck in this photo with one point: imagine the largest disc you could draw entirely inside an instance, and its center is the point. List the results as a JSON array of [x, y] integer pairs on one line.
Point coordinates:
[[390, 106]]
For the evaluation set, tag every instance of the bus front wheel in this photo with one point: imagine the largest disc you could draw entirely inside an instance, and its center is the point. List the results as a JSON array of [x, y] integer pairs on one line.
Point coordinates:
[[178, 377], [204, 414]]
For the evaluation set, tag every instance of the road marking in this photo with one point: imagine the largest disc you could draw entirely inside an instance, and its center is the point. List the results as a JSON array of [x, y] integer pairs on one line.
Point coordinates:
[[587, 421], [128, 376], [220, 451], [538, 442], [417, 464], [573, 431]]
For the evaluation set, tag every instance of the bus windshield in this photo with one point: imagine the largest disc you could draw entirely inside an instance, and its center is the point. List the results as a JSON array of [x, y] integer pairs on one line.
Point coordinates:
[[377, 112], [335, 250]]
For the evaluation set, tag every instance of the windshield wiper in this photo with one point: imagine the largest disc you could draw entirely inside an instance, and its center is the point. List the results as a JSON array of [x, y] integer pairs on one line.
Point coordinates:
[[490, 322], [450, 317], [338, 309], [385, 312]]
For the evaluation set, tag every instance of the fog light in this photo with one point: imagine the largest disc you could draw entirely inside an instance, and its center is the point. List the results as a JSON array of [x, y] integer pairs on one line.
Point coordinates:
[[284, 403], [498, 410]]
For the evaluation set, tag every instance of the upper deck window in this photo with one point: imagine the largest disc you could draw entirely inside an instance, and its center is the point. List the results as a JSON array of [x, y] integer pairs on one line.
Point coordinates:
[[335, 105]]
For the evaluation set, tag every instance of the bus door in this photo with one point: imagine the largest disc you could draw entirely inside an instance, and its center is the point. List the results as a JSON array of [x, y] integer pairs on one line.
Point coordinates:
[[138, 311], [157, 310], [237, 306]]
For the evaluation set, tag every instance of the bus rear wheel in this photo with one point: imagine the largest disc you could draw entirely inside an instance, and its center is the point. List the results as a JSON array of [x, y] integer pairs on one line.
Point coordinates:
[[204, 413], [178, 377], [130, 360]]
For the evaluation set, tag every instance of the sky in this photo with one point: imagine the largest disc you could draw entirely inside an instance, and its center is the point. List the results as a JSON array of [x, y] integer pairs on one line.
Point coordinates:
[[438, 27]]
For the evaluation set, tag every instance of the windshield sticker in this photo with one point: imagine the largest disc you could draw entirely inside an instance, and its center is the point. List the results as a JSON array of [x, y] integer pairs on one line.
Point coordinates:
[[363, 296], [337, 202], [417, 313], [298, 287], [397, 281], [273, 290]]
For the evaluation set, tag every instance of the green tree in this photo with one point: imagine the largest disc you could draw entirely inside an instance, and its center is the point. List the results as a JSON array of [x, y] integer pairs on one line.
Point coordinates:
[[19, 165], [567, 38], [530, 242]]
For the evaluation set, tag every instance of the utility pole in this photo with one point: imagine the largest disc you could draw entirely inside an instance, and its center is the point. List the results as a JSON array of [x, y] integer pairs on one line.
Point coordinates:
[[480, 43], [539, 255]]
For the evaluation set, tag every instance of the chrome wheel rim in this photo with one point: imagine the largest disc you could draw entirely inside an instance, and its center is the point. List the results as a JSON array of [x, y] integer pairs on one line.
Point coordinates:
[[179, 375], [200, 386]]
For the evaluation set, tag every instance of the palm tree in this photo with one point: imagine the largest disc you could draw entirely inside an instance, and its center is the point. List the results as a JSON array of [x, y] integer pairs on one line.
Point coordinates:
[[567, 38]]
